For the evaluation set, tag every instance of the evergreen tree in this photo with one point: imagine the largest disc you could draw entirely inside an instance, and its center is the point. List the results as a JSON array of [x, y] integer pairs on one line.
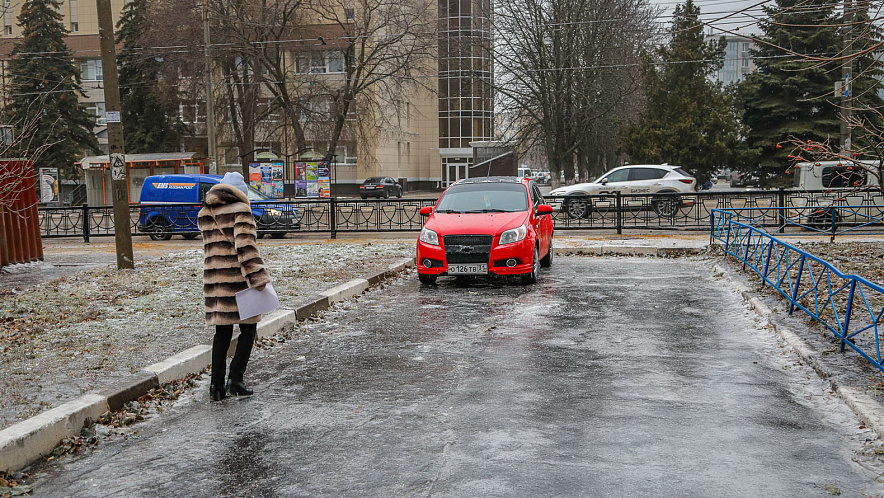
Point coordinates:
[[689, 120], [44, 84], [790, 95], [146, 126]]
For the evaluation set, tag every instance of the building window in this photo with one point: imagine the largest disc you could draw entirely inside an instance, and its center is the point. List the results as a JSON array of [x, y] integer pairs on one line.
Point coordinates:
[[98, 110], [349, 14], [321, 63], [75, 27], [90, 70], [6, 135], [8, 30], [335, 62], [187, 113]]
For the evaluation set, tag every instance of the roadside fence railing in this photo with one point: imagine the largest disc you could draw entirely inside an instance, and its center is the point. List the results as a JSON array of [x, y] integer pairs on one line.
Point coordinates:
[[850, 306], [782, 209]]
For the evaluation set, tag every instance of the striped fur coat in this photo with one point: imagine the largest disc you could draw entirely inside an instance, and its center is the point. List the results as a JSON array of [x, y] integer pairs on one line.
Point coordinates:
[[232, 260]]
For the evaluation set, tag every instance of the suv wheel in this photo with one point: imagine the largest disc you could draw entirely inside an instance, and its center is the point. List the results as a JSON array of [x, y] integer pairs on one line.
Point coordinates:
[[666, 207]]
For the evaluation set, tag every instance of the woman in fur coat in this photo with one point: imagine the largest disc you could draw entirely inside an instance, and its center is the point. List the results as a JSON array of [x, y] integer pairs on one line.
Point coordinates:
[[232, 264]]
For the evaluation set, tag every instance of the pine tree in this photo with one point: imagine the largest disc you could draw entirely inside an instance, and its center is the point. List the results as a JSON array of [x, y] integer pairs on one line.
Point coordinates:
[[44, 84], [790, 95], [146, 126], [689, 120]]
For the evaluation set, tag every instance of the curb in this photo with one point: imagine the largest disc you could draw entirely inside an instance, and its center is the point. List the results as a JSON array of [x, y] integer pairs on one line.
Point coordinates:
[[28, 440], [660, 252], [866, 409]]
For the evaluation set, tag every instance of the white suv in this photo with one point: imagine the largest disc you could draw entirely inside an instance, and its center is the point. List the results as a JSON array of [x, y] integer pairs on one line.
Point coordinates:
[[633, 179]]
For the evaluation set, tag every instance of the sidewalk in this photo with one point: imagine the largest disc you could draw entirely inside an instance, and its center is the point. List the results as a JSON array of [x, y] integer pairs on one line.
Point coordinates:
[[319, 273]]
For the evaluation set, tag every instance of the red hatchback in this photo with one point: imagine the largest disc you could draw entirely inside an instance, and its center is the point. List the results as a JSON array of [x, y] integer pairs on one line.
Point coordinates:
[[486, 226]]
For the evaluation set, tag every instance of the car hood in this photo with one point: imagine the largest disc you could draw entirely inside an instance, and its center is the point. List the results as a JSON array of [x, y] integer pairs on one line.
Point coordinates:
[[577, 187], [474, 223]]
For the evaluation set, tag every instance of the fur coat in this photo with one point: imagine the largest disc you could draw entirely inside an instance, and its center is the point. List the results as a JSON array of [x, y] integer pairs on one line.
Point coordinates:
[[232, 261]]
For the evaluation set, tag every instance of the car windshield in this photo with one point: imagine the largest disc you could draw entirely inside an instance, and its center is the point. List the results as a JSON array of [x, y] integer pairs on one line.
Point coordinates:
[[484, 198], [374, 179]]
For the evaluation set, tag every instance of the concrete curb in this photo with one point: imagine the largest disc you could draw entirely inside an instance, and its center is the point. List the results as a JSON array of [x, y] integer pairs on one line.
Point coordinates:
[[661, 252], [28, 440], [181, 364], [24, 442], [866, 409]]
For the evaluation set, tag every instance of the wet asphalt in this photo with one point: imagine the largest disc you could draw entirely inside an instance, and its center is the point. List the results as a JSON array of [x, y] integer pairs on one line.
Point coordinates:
[[610, 377]]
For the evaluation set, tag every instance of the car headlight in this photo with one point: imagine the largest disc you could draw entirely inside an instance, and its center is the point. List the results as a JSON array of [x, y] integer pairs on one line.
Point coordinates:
[[429, 237], [274, 212], [513, 235]]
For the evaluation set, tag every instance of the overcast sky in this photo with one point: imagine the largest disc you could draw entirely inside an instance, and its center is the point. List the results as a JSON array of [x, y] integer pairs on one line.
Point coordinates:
[[713, 11]]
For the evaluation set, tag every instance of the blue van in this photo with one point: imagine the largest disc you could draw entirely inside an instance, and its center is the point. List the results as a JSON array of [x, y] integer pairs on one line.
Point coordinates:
[[169, 205]]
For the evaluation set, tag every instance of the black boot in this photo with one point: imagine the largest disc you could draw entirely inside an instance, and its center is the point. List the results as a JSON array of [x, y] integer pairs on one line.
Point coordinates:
[[216, 393], [237, 388]]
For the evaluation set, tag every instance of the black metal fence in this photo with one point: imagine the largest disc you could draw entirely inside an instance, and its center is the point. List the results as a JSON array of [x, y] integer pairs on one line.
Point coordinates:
[[691, 211]]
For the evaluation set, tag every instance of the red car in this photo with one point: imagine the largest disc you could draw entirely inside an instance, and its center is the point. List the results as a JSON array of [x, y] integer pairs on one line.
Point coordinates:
[[486, 226]]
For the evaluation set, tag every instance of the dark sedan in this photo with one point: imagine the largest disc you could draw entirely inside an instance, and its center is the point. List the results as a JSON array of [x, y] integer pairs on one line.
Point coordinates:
[[380, 186]]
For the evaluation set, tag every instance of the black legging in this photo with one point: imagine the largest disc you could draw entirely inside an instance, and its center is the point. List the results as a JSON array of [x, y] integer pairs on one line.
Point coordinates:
[[220, 345]]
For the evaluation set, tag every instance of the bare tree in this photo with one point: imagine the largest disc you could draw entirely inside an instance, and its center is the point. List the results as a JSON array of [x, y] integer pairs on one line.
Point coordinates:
[[388, 50], [566, 69], [20, 142]]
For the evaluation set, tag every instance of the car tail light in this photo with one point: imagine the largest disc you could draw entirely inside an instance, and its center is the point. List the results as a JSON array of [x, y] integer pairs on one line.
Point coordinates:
[[686, 182]]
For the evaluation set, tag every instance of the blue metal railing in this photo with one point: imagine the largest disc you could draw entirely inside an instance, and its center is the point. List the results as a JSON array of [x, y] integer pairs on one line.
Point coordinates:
[[850, 306]]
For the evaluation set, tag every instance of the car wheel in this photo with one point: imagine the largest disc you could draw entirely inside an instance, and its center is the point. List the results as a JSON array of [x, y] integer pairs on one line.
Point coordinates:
[[666, 207], [277, 235], [426, 279], [159, 225], [386, 194], [189, 236], [578, 209], [530, 278], [363, 197], [399, 195], [547, 260]]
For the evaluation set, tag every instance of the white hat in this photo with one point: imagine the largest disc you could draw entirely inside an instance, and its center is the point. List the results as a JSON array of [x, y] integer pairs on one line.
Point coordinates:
[[236, 180]]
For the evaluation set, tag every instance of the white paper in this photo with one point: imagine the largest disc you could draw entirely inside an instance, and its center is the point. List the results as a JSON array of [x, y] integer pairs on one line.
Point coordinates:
[[252, 302]]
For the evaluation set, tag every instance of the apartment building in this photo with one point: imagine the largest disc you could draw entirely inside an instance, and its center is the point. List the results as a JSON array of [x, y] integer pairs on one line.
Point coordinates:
[[423, 138], [738, 62]]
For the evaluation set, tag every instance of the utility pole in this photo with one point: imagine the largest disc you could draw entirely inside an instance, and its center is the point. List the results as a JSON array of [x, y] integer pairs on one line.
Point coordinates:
[[116, 153], [210, 96], [846, 77]]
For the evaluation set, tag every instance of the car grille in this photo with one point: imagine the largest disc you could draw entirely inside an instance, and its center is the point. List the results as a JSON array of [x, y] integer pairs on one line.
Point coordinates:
[[468, 240], [467, 248]]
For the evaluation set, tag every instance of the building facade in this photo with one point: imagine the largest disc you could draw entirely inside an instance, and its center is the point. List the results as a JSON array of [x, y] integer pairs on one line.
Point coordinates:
[[466, 104], [738, 61], [424, 140]]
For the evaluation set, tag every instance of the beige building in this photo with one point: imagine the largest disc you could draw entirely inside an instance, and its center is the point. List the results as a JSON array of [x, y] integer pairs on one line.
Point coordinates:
[[424, 140]]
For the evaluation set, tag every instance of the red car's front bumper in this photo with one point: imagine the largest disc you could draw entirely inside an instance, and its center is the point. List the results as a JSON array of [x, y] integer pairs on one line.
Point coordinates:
[[522, 252]]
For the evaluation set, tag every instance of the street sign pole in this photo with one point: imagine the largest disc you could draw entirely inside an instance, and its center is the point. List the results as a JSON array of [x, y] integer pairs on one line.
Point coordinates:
[[116, 156]]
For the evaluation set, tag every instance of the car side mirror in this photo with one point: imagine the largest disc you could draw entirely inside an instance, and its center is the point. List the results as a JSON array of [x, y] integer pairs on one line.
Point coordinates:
[[426, 211], [543, 209], [604, 181]]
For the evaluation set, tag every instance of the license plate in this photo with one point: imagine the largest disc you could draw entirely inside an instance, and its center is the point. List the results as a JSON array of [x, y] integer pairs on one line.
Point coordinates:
[[468, 269]]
